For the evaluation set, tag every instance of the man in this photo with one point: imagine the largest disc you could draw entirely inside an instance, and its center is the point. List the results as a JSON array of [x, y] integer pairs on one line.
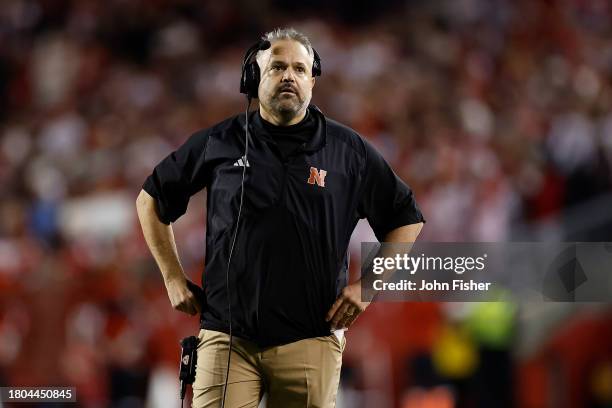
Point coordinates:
[[307, 181]]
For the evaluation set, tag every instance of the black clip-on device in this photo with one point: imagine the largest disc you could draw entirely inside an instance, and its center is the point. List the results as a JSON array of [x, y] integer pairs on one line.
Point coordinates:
[[189, 349]]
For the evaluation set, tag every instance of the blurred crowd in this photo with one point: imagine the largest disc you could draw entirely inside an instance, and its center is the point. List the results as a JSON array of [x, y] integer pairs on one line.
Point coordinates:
[[495, 112]]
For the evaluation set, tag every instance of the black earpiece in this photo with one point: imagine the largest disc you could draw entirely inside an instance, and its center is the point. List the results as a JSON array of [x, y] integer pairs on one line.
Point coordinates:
[[316, 64], [249, 80]]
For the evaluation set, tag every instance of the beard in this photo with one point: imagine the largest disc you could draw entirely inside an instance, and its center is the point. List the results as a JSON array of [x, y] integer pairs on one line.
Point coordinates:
[[286, 104]]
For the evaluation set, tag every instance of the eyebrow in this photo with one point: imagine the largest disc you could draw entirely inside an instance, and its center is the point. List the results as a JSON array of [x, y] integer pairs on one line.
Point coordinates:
[[274, 62]]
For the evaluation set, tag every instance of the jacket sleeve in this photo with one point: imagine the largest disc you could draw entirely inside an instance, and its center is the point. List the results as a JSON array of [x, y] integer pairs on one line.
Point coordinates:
[[178, 176], [386, 201]]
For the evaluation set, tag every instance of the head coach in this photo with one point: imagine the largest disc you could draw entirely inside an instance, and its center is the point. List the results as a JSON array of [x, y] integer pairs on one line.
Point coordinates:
[[285, 188]]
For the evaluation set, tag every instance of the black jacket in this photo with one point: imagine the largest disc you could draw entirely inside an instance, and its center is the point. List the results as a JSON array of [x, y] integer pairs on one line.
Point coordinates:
[[290, 259]]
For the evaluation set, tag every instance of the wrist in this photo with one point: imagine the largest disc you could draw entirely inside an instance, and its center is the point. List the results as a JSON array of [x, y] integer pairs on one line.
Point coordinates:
[[174, 278]]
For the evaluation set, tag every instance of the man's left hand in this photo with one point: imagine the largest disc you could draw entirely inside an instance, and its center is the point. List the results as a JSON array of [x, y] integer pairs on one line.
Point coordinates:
[[347, 307]]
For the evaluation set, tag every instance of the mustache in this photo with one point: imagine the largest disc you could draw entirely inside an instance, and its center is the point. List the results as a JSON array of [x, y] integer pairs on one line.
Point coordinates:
[[287, 88]]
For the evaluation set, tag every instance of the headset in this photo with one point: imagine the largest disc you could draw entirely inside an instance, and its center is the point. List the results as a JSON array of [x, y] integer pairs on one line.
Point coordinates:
[[249, 85]]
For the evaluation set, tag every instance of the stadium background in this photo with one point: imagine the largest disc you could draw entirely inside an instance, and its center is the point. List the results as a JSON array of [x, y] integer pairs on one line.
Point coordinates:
[[496, 112]]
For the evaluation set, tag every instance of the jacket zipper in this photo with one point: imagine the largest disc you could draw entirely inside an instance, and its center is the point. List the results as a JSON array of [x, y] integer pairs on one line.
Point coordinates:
[[288, 160]]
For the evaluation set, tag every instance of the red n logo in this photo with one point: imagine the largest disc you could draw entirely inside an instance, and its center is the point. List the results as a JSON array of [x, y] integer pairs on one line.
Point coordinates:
[[317, 176]]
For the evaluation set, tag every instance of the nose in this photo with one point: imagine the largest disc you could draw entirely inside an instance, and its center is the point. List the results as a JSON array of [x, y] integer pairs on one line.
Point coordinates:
[[288, 76]]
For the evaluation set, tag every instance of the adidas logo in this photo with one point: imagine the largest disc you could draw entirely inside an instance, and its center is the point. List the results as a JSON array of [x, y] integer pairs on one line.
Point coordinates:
[[240, 162]]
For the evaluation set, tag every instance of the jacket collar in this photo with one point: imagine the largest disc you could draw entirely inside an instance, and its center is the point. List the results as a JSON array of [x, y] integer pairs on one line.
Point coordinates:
[[317, 141]]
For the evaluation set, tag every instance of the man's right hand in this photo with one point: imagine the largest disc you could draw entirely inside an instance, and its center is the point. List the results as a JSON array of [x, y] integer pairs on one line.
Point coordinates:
[[181, 297], [160, 240]]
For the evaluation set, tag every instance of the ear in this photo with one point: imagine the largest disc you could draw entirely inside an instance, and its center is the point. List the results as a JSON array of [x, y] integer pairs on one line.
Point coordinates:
[[312, 82]]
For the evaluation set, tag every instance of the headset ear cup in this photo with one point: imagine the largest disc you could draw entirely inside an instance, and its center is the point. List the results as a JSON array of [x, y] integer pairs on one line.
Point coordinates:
[[256, 78], [316, 64], [244, 82], [316, 69], [252, 79]]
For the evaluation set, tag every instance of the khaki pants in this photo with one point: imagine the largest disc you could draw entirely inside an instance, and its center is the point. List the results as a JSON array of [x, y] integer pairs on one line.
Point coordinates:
[[301, 374]]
